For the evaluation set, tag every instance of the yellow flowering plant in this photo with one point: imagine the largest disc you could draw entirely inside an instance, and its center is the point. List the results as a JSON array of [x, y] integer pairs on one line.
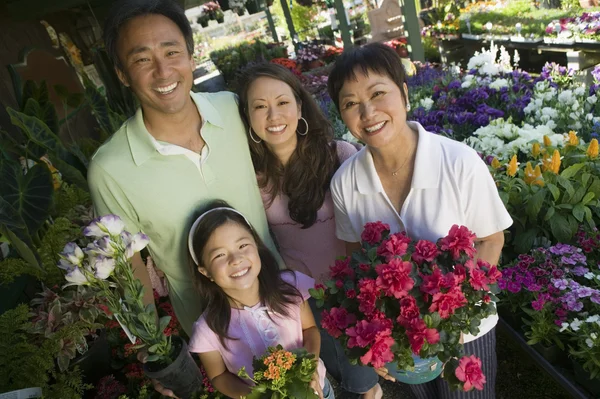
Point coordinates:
[[282, 374], [549, 192]]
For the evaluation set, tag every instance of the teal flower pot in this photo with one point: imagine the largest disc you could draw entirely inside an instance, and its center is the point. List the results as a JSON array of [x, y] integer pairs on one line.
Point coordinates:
[[425, 370]]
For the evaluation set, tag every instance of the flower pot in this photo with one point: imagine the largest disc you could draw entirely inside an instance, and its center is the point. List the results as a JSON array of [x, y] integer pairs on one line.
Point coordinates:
[[95, 362], [583, 378], [552, 353], [425, 370], [402, 51], [182, 376], [204, 23], [220, 19]]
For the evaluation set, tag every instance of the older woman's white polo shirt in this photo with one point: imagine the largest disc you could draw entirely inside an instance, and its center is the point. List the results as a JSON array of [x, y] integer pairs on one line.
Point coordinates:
[[451, 185]]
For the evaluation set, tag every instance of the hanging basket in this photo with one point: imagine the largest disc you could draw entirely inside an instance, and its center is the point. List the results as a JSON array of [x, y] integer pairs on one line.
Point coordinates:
[[305, 3]]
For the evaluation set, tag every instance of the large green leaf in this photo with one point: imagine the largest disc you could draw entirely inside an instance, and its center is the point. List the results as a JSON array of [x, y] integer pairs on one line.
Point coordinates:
[[560, 227], [14, 229], [25, 249], [100, 108], [44, 112], [29, 194]]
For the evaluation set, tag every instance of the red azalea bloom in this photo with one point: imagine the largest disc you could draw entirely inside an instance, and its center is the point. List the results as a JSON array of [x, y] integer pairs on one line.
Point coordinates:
[[470, 373], [460, 273], [320, 286], [396, 245], [373, 232], [379, 353], [479, 280], [418, 333], [365, 333], [368, 294], [394, 278], [446, 304], [431, 283], [351, 293], [336, 320], [493, 275], [339, 283], [459, 239], [380, 317], [364, 267], [341, 269], [408, 311], [487, 299], [425, 251]]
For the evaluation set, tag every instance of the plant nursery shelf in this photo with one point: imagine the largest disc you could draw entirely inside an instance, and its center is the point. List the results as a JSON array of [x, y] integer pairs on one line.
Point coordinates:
[[559, 375]]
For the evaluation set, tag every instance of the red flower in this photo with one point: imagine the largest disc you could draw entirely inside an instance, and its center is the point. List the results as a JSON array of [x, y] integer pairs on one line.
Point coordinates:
[[320, 286], [487, 299], [364, 267], [341, 269], [339, 283], [408, 311], [112, 324], [493, 275], [431, 283], [373, 232], [336, 320], [134, 371], [479, 280], [394, 278], [351, 293], [365, 333], [368, 294], [380, 317], [425, 251], [418, 333], [105, 309], [460, 273], [379, 353], [446, 304], [469, 371], [459, 239], [396, 245]]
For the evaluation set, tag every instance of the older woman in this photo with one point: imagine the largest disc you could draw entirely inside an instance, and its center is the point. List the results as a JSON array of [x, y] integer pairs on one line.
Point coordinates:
[[411, 179]]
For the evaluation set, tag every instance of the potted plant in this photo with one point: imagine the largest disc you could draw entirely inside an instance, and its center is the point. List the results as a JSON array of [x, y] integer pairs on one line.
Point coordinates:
[[108, 272], [210, 8], [400, 45], [309, 56], [203, 20], [219, 16]]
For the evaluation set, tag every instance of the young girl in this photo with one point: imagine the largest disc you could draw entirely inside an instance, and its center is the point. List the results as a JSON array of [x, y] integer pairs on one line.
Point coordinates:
[[251, 303], [295, 157]]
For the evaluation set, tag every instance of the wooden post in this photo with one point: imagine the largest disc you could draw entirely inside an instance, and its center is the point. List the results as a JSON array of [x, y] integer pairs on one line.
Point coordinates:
[[411, 23], [290, 21], [344, 25], [271, 24]]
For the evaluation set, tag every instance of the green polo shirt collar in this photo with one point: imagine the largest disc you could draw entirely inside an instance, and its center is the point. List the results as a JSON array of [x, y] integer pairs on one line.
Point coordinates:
[[140, 140]]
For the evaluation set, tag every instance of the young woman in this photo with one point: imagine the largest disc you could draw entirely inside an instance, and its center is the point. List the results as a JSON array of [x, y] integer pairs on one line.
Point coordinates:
[[294, 156], [252, 304]]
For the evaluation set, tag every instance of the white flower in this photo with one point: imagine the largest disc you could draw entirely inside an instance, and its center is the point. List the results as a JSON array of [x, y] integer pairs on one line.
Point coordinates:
[[575, 324], [592, 99], [589, 117], [589, 342], [426, 103], [107, 225], [76, 277], [137, 242], [593, 336], [564, 326], [589, 275], [498, 84], [102, 267], [103, 246], [72, 253], [580, 91], [466, 84], [349, 138], [592, 319]]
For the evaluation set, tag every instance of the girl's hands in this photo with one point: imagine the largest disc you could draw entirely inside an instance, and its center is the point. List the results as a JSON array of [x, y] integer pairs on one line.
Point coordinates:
[[383, 372], [315, 384]]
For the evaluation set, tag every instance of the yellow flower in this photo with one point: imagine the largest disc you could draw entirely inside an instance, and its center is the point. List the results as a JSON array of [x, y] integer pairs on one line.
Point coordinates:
[[547, 142], [512, 166], [592, 150], [573, 140], [533, 176], [496, 164], [535, 150], [555, 164]]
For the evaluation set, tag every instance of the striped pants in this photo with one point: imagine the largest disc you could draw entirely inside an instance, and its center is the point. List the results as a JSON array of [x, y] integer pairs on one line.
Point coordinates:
[[485, 349]]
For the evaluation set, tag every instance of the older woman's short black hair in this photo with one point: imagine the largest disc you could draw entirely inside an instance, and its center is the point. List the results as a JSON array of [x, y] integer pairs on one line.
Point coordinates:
[[374, 57], [125, 10]]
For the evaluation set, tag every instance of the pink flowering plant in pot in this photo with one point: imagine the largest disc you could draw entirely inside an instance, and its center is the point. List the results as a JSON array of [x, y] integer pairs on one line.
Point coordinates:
[[399, 300], [104, 265]]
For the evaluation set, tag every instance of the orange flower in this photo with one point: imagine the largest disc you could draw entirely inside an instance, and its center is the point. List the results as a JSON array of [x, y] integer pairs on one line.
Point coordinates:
[[547, 141], [495, 163], [555, 165], [512, 166], [592, 150], [535, 150], [533, 176], [573, 140]]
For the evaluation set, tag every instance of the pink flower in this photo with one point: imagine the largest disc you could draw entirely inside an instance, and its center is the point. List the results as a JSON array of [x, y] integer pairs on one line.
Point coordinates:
[[336, 320], [479, 280], [351, 293], [446, 304], [425, 251], [431, 283], [339, 283], [470, 373], [459, 239], [493, 275], [396, 245], [365, 333], [379, 353], [418, 333], [373, 232], [368, 294], [487, 299], [409, 310], [341, 269], [394, 278], [364, 267]]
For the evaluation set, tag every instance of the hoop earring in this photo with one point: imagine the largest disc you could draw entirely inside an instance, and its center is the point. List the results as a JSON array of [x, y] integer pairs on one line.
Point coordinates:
[[252, 137], [306, 131]]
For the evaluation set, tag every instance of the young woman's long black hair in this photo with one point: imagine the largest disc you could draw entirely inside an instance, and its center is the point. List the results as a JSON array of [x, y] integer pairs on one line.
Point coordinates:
[[275, 293]]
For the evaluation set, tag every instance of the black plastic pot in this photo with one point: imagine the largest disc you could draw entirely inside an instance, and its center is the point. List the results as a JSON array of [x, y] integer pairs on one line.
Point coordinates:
[[583, 378], [552, 353], [95, 362], [182, 376]]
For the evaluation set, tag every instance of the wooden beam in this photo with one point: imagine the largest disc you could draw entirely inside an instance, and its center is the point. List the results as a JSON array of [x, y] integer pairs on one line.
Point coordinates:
[[290, 22], [411, 23], [271, 24], [343, 23]]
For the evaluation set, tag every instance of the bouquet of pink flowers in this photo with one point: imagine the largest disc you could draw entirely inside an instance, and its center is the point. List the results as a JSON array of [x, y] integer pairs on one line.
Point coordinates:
[[398, 299]]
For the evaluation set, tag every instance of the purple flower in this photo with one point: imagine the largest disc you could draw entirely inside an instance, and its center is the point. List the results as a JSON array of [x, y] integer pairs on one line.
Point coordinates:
[[538, 304], [560, 284], [584, 292], [514, 287], [595, 297], [561, 249], [557, 273], [580, 271], [534, 287]]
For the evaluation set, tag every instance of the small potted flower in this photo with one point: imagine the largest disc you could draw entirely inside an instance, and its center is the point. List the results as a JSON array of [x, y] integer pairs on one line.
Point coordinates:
[[309, 56], [210, 8], [203, 20], [400, 45]]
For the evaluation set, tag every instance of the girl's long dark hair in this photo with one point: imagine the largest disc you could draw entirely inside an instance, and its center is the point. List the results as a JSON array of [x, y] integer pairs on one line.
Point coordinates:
[[275, 293], [306, 177]]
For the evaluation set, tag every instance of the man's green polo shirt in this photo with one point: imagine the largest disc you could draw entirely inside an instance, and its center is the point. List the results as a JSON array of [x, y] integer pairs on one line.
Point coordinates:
[[161, 195]]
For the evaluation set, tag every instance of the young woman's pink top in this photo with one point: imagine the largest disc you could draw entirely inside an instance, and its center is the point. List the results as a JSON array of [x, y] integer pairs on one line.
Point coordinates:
[[256, 331], [314, 249]]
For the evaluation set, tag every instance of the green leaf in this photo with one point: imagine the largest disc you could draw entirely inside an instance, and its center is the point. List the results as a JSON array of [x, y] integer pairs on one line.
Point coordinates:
[[44, 112], [524, 241], [69, 173], [588, 214], [588, 197], [579, 212], [566, 184], [23, 247], [585, 178], [152, 358], [535, 204], [560, 228], [554, 190], [549, 213], [163, 323], [572, 170]]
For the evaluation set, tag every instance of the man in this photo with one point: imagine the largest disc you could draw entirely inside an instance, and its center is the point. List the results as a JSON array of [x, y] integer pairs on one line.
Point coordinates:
[[178, 152]]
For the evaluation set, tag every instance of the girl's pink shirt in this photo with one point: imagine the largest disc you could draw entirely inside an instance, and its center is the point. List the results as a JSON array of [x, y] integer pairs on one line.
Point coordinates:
[[255, 331]]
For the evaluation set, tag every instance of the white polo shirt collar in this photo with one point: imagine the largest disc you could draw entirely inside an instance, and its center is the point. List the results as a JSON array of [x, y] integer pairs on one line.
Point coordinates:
[[428, 164]]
